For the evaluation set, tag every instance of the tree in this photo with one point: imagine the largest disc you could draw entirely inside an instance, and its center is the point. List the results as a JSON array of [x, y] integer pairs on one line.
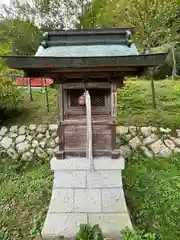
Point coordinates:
[[24, 35], [5, 49], [44, 13], [151, 18]]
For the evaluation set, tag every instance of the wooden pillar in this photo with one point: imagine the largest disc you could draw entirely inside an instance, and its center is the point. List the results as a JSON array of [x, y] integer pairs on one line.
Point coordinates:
[[61, 153], [114, 153]]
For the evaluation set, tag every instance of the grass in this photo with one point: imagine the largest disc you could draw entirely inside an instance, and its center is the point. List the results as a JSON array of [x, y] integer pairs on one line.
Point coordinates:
[[24, 199], [35, 112], [134, 105], [152, 190]]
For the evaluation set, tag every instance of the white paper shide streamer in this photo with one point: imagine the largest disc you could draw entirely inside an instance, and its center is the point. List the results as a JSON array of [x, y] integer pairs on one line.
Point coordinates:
[[89, 130]]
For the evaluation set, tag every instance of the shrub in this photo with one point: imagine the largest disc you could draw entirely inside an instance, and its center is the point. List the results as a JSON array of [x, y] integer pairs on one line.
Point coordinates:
[[10, 97], [128, 234]]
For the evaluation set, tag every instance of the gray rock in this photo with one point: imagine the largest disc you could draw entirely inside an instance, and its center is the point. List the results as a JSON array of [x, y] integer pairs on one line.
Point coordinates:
[[32, 150], [178, 133], [29, 138], [11, 152], [54, 134], [6, 142], [41, 153], [27, 156], [23, 147], [132, 130], [53, 127], [35, 143], [56, 149], [22, 130], [48, 135], [177, 150], [40, 136], [3, 131], [20, 139], [153, 129], [12, 135], [146, 131], [42, 128], [14, 129], [166, 152], [50, 151], [128, 137], [147, 153], [122, 130], [32, 127], [1, 138], [175, 140], [152, 138], [57, 140], [42, 144], [51, 143], [160, 149], [135, 143], [169, 144], [165, 130], [125, 151]]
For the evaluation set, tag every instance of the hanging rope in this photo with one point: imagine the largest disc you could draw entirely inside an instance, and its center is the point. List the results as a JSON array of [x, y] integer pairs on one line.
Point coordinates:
[[89, 130]]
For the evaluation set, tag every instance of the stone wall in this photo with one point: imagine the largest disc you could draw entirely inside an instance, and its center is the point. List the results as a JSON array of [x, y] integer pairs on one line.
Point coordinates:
[[27, 142], [150, 141]]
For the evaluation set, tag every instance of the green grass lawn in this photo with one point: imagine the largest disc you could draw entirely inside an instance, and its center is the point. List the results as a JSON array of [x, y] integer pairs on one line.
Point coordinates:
[[134, 105], [152, 190], [25, 194], [35, 112]]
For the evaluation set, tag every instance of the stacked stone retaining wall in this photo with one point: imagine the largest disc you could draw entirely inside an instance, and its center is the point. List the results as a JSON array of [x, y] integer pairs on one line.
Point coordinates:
[[29, 142]]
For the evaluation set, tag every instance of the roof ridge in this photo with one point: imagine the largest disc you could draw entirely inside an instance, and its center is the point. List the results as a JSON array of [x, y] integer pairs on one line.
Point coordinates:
[[95, 31], [87, 37]]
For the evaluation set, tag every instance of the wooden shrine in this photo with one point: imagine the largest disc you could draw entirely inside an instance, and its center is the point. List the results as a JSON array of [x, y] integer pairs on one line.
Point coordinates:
[[88, 66], [96, 60], [72, 126]]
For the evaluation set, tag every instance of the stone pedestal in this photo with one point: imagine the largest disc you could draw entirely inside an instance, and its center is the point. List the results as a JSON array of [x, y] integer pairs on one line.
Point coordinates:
[[80, 196]]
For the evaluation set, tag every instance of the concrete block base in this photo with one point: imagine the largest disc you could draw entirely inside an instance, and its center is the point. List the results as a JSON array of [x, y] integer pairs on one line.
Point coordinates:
[[80, 196]]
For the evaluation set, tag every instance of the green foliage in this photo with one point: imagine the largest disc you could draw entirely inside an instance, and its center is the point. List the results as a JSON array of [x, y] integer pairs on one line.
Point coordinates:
[[128, 234], [4, 50], [165, 69], [152, 192], [24, 198], [10, 98], [35, 111], [135, 103], [24, 36], [10, 95], [155, 22], [87, 232], [47, 14]]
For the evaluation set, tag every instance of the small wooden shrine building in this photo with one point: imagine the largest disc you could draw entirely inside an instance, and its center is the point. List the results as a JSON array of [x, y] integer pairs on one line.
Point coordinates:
[[96, 60], [87, 169]]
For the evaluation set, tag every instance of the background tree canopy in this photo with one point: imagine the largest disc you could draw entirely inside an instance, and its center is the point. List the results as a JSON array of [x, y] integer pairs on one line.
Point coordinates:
[[156, 22]]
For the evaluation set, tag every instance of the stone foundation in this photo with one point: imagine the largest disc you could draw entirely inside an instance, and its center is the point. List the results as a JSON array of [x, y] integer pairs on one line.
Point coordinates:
[[80, 196]]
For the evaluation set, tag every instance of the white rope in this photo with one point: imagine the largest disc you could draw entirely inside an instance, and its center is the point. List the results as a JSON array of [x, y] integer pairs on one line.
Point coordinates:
[[89, 130]]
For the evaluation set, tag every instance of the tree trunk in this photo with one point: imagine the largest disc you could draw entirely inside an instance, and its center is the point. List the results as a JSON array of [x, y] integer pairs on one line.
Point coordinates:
[[174, 62], [153, 93]]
